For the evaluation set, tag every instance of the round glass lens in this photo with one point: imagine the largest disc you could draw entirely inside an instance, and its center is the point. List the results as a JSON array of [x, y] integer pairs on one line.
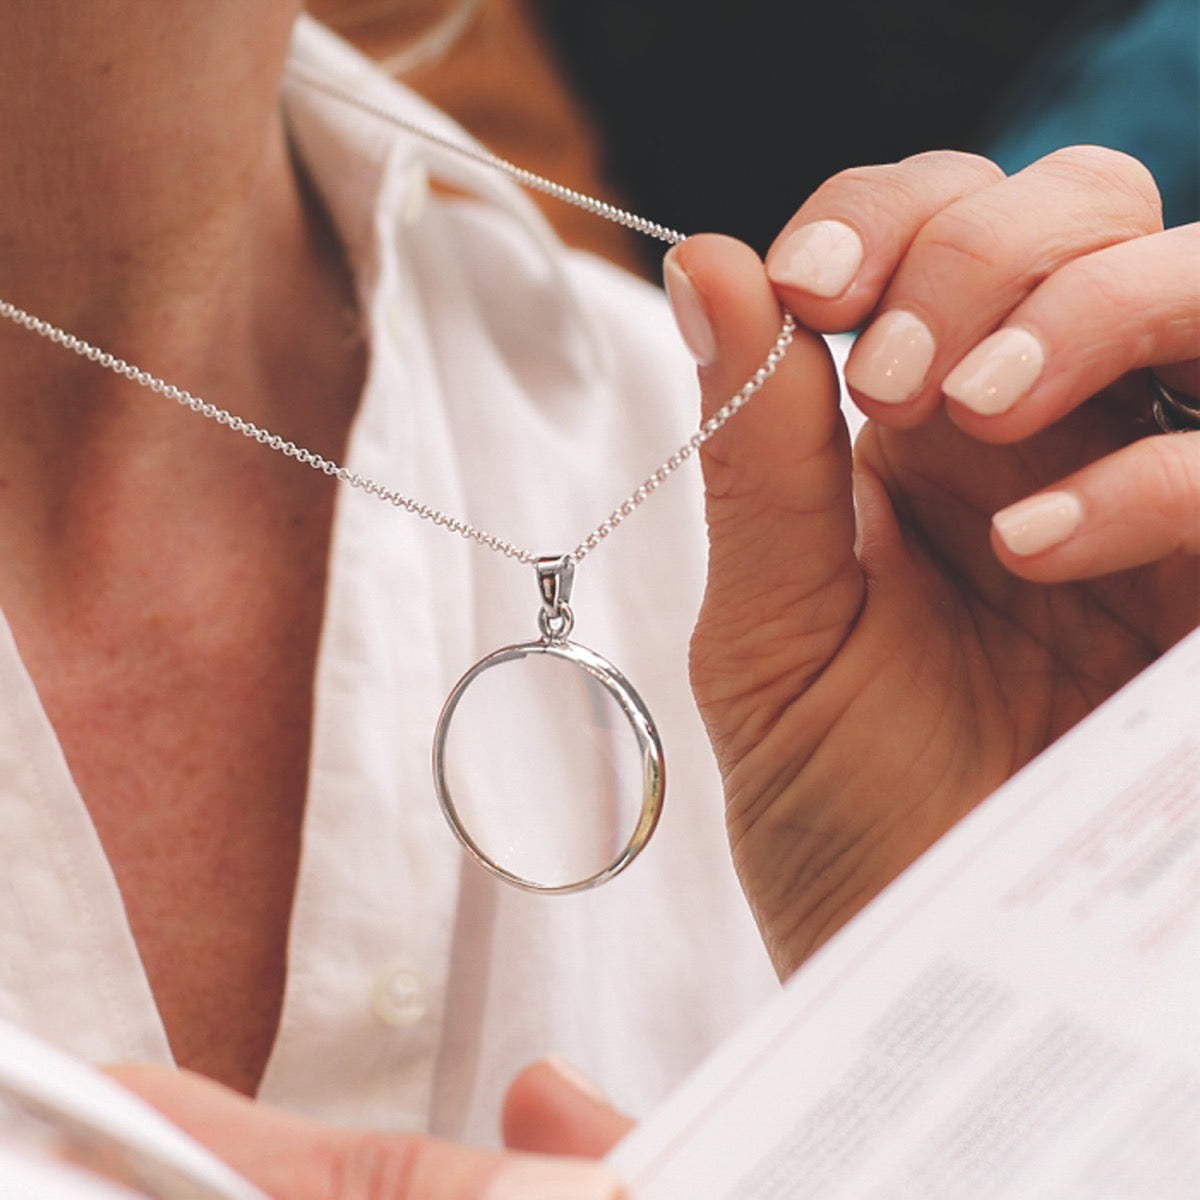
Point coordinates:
[[554, 804]]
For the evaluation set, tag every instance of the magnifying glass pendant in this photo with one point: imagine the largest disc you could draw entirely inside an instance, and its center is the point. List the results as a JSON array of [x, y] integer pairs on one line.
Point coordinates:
[[546, 761]]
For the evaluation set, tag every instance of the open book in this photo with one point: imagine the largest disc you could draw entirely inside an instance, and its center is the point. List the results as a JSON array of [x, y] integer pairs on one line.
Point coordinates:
[[69, 1133], [1017, 1016]]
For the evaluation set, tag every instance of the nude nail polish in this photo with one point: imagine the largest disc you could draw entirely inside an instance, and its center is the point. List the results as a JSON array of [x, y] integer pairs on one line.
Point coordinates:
[[997, 373], [890, 360], [1031, 526], [690, 315], [550, 1179], [820, 258]]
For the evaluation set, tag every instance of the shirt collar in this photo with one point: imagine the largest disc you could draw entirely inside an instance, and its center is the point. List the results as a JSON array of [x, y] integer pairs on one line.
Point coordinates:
[[351, 154]]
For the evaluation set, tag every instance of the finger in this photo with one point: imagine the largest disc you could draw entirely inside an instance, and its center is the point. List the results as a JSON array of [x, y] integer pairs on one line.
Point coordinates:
[[295, 1159], [552, 1109], [834, 258], [782, 571], [978, 259], [1125, 307], [1138, 505]]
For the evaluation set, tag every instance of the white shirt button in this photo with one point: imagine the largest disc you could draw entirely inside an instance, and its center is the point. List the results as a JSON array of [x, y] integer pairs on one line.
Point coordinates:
[[399, 997]]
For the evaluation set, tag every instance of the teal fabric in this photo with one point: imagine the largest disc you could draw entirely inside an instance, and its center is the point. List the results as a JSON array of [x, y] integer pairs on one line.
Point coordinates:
[[1120, 77]]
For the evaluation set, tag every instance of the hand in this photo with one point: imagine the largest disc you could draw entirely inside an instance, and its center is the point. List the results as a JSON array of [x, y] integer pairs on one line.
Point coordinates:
[[290, 1158], [874, 654]]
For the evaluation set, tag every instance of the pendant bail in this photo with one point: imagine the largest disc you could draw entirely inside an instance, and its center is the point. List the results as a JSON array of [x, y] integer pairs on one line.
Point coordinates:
[[556, 577]]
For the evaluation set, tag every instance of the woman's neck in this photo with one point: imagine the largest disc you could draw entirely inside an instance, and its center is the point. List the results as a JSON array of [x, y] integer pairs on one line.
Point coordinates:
[[153, 209], [138, 138]]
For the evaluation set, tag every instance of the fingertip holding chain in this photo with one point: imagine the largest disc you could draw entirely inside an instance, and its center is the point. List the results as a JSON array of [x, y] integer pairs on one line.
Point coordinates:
[[556, 621]]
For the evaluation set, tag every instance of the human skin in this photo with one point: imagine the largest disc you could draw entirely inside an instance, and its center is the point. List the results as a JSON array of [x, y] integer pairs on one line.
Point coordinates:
[[123, 529], [875, 654], [549, 1112], [165, 586], [153, 209]]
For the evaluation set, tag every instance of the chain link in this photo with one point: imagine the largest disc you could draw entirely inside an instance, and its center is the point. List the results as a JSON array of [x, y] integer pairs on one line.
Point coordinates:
[[118, 366], [656, 478], [529, 179], [371, 487]]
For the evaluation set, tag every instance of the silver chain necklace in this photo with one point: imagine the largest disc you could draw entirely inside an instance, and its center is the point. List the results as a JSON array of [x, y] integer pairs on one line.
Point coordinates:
[[555, 573]]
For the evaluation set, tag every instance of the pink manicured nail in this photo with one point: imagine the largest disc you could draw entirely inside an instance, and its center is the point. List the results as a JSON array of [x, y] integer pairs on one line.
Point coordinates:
[[553, 1179], [690, 315], [890, 360], [1031, 526], [820, 258], [997, 373]]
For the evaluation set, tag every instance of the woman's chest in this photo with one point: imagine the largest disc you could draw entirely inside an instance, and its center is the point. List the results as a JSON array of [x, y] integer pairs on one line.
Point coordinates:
[[191, 757]]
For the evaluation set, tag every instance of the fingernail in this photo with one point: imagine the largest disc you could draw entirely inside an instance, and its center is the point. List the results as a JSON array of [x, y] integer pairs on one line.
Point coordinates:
[[821, 259], [690, 315], [1031, 526], [891, 359], [552, 1179], [997, 373], [574, 1078]]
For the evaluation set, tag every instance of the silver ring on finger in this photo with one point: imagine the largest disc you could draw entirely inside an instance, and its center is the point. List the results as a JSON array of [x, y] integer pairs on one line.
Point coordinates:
[[1173, 411]]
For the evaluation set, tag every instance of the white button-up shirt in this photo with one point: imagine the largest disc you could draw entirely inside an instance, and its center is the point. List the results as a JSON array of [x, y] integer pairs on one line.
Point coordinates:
[[525, 389]]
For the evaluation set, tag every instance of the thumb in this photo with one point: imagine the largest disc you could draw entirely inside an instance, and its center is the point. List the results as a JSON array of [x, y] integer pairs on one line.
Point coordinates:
[[552, 1109], [784, 585], [291, 1158]]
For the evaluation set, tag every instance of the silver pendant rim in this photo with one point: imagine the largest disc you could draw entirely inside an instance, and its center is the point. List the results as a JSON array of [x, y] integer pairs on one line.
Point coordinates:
[[640, 721]]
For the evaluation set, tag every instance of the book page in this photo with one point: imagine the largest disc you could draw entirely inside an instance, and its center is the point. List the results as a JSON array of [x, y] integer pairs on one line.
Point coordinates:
[[67, 1132], [1016, 1016]]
